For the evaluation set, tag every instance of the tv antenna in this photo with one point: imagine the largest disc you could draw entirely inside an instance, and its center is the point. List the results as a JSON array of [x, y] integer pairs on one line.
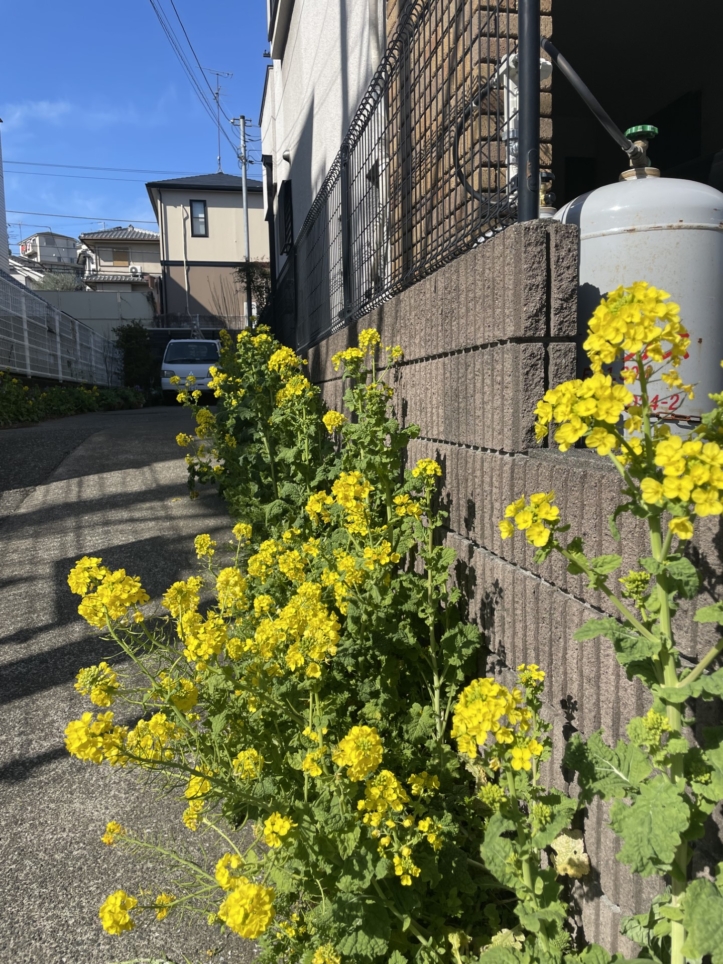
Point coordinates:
[[217, 98]]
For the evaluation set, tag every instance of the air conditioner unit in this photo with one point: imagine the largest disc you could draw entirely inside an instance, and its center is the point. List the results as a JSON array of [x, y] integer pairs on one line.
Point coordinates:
[[136, 270]]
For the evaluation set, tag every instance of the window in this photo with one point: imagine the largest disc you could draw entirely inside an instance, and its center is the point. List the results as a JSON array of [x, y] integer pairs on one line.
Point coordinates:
[[199, 220], [191, 352], [120, 258]]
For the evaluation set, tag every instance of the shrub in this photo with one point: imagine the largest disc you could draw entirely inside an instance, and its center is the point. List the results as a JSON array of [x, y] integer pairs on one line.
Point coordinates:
[[21, 401]]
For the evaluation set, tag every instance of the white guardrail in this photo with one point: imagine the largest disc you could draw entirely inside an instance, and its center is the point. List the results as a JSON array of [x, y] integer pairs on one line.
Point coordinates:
[[37, 339]]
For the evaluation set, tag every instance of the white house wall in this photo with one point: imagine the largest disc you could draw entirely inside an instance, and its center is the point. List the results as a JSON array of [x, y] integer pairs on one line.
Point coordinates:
[[332, 50]]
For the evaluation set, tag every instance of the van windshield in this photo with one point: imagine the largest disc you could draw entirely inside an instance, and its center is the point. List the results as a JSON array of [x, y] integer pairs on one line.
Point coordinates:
[[192, 352]]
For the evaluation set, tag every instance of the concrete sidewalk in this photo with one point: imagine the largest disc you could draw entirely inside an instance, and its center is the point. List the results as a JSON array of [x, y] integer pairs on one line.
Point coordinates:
[[111, 485]]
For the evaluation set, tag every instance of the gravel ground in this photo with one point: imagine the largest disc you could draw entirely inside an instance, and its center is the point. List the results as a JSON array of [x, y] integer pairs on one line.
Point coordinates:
[[113, 485]]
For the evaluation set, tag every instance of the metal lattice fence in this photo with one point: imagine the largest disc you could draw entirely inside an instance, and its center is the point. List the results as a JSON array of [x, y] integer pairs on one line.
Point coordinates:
[[428, 168], [37, 339]]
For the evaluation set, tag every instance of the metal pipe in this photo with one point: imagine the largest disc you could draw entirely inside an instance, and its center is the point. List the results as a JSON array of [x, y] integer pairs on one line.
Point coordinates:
[[632, 150], [528, 178]]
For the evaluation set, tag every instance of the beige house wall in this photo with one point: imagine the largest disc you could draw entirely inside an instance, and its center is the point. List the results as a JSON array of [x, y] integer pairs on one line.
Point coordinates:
[[226, 238], [212, 290], [146, 255]]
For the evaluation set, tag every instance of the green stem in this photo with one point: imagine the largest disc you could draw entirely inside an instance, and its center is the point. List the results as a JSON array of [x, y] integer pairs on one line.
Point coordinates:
[[703, 664]]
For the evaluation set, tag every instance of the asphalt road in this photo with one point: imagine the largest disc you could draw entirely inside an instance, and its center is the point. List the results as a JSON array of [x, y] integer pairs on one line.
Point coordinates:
[[112, 485]]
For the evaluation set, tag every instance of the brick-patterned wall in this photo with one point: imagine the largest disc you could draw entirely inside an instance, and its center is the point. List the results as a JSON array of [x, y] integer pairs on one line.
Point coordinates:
[[483, 338]]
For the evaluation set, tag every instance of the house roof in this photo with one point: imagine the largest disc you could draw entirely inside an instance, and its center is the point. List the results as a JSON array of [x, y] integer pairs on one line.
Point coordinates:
[[209, 182], [120, 234], [99, 277]]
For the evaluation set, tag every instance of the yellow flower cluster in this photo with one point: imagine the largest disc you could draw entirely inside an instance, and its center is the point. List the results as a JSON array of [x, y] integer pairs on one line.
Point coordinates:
[[296, 387], [380, 555], [419, 782], [112, 831], [205, 422], [115, 912], [248, 764], [333, 421], [383, 794], [291, 564], [405, 505], [343, 578], [115, 592], [431, 830], [202, 638], [99, 682], [692, 472], [231, 591], [396, 354], [531, 518], [183, 597], [369, 338], [404, 867], [577, 405], [284, 361], [427, 469], [351, 357], [260, 565], [325, 954], [626, 323], [351, 491], [198, 788], [530, 675], [312, 762], [225, 875], [360, 752], [242, 531], [249, 908], [181, 692], [276, 827], [205, 546], [308, 626], [183, 440], [482, 709], [96, 739], [150, 739], [316, 507]]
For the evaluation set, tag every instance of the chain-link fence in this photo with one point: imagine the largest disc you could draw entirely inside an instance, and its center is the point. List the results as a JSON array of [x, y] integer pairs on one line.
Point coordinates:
[[37, 339], [428, 168]]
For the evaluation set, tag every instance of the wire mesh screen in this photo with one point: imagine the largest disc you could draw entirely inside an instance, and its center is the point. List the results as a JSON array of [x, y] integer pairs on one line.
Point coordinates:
[[37, 339], [426, 171]]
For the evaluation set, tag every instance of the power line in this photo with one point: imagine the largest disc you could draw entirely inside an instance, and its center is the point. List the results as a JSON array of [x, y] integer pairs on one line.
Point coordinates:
[[88, 167], [195, 55], [82, 177], [77, 217]]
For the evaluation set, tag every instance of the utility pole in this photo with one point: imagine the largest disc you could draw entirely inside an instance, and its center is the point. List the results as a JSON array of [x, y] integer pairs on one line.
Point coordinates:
[[243, 161]]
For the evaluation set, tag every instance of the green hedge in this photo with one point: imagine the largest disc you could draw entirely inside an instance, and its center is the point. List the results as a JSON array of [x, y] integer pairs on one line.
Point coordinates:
[[23, 401]]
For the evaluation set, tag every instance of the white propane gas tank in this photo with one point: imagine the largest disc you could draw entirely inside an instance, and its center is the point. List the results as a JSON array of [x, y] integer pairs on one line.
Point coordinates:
[[669, 233]]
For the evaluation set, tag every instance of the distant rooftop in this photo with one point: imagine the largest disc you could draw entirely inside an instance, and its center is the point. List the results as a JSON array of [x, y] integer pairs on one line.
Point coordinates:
[[120, 234], [209, 182]]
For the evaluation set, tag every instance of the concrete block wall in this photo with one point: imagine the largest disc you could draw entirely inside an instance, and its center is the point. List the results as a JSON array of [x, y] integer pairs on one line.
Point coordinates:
[[483, 338]]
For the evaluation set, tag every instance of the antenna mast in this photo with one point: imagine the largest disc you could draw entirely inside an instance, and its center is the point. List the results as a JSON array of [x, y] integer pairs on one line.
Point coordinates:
[[217, 98]]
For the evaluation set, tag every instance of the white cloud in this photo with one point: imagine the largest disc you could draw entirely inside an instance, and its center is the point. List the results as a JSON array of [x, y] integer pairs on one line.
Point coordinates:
[[17, 116]]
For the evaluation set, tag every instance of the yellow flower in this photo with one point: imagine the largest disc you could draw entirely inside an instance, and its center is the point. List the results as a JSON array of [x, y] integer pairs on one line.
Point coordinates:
[[651, 491], [396, 354], [205, 546], [325, 954], [231, 590], [284, 360], [249, 909], [316, 507], [248, 764], [112, 830], [96, 740], [351, 357], [224, 873], [183, 440], [419, 782], [405, 505], [538, 535], [681, 527], [163, 904], [242, 531], [427, 468], [369, 338], [276, 827], [99, 682], [183, 597], [115, 911], [175, 380], [360, 751], [86, 574], [311, 764], [333, 421], [520, 758]]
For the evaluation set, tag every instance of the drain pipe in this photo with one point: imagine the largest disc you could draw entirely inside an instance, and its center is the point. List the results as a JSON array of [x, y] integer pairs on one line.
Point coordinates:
[[528, 176]]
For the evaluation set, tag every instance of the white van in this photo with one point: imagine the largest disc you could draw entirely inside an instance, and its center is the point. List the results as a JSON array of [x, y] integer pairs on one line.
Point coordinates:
[[184, 357]]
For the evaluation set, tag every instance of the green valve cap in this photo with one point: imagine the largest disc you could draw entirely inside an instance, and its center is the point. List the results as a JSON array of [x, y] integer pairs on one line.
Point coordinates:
[[647, 131]]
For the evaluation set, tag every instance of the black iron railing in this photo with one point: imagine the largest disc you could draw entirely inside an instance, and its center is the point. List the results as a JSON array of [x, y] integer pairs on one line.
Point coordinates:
[[426, 171]]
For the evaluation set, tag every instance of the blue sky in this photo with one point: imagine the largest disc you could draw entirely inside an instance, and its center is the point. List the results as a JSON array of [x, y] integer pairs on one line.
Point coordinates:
[[99, 85]]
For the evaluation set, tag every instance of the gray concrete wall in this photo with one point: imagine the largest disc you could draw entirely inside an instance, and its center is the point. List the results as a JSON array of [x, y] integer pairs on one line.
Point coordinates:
[[103, 310], [483, 339]]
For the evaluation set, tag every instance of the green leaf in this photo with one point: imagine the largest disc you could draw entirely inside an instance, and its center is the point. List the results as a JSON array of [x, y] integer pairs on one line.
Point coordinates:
[[703, 921], [396, 957], [651, 827], [651, 565], [685, 575], [594, 954], [595, 627], [613, 527], [421, 722], [367, 928], [604, 771], [563, 810], [707, 686], [629, 645], [603, 565], [499, 853], [710, 614]]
